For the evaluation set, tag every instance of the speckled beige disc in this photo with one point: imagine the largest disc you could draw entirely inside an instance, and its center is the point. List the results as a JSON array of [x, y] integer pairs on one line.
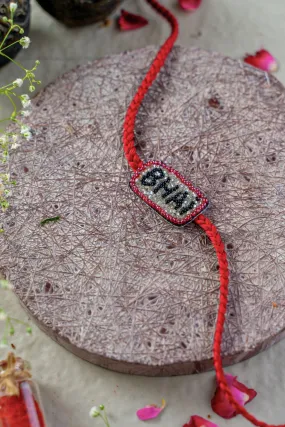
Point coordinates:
[[112, 281]]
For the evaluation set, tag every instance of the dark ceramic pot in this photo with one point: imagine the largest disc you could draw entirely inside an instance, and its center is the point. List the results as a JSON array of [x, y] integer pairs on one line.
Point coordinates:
[[75, 13], [22, 18]]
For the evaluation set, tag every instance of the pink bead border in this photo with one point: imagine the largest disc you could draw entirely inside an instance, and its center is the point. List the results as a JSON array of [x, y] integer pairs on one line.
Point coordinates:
[[204, 204]]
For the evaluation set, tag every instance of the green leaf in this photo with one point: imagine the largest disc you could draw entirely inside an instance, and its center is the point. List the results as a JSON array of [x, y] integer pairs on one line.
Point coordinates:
[[53, 219]]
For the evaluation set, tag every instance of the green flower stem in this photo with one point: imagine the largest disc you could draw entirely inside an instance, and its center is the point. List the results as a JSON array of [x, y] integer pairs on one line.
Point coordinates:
[[6, 334], [7, 86], [14, 62], [11, 326], [9, 329], [4, 120], [13, 103], [13, 140], [19, 321], [7, 34], [20, 28], [105, 419], [6, 47], [12, 27]]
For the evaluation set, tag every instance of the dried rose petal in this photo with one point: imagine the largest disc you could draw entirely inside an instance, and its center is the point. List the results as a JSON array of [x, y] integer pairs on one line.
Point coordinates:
[[263, 60], [196, 421], [240, 392], [151, 411], [190, 5], [129, 21], [214, 102]]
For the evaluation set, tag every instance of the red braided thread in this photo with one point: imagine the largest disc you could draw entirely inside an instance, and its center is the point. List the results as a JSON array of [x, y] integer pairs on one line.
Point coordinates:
[[129, 125], [218, 244], [135, 162]]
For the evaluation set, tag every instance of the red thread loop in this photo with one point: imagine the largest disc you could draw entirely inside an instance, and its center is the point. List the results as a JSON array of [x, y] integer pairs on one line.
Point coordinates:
[[129, 125], [135, 162]]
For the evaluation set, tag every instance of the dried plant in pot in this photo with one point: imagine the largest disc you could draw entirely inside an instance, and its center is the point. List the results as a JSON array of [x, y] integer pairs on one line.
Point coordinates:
[[75, 13], [22, 18]]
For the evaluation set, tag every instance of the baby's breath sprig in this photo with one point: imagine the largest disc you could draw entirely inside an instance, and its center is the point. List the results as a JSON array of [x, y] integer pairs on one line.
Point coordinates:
[[99, 412], [11, 140], [9, 329]]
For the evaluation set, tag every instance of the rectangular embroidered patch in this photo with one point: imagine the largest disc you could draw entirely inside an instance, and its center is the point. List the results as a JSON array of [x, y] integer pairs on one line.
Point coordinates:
[[168, 192]]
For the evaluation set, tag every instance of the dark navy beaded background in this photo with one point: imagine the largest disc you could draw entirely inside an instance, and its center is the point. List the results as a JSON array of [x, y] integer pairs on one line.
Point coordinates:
[[169, 193]]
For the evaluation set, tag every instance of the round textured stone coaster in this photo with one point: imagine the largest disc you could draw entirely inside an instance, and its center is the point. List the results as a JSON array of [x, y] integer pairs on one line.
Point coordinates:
[[111, 280]]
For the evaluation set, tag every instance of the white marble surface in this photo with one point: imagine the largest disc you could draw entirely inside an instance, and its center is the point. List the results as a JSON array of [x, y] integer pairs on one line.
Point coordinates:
[[69, 385]]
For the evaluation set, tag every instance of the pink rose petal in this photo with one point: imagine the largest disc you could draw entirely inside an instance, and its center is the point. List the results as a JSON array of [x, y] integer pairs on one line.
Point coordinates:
[[196, 421], [239, 396], [190, 5], [240, 392], [263, 60], [151, 411], [129, 21], [250, 392]]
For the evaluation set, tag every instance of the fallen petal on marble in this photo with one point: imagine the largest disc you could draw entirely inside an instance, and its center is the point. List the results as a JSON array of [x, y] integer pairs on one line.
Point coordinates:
[[263, 60], [151, 411], [196, 421], [129, 21], [190, 5], [240, 392]]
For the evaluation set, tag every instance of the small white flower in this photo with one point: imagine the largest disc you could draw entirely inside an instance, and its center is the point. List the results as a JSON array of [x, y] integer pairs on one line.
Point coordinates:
[[13, 7], [27, 135], [3, 139], [94, 412], [15, 145], [24, 128], [25, 42], [32, 88], [14, 137], [25, 113], [3, 315], [4, 343], [26, 132], [18, 82], [25, 100]]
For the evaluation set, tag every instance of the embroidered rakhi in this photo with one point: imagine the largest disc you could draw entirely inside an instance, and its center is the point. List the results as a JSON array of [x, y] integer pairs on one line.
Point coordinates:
[[179, 201], [168, 192]]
